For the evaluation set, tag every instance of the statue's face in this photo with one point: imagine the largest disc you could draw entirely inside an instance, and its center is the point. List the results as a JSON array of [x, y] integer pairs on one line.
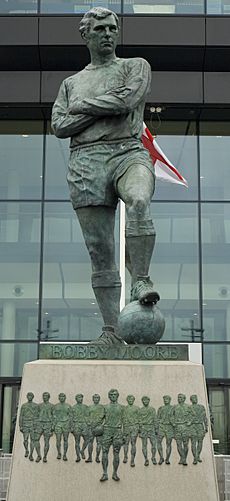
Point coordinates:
[[130, 399], [113, 395], [181, 398], [96, 399], [62, 397], [46, 396], [145, 401], [79, 398], [102, 35], [30, 396], [194, 399], [167, 399]]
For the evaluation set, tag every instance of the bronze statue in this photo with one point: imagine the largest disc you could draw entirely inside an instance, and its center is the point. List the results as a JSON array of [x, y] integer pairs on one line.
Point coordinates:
[[148, 429], [81, 427], [114, 425], [27, 417], [199, 428], [181, 419], [44, 426], [112, 435], [130, 429], [96, 417], [62, 413], [101, 109], [165, 429]]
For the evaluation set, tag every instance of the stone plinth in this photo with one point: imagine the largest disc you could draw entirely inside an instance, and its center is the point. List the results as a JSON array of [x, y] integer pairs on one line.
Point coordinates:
[[67, 481]]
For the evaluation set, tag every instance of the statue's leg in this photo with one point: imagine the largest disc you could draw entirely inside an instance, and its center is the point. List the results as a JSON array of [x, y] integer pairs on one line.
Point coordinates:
[[185, 447], [199, 448], [126, 447], [136, 187], [77, 438], [194, 449], [46, 445], [98, 449], [116, 460], [153, 442], [88, 443], [31, 445], [133, 449], [180, 449], [168, 449], [65, 447], [97, 224], [105, 462], [160, 448], [37, 437], [58, 444], [144, 450], [25, 443]]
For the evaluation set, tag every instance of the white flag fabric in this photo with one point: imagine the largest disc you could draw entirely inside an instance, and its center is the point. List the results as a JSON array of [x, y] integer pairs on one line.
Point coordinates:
[[164, 169]]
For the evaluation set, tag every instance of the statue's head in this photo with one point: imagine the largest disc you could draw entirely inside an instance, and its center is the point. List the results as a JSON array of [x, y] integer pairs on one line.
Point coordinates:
[[79, 398], [46, 396], [130, 399], [194, 399], [113, 395], [181, 398], [97, 13], [30, 396], [99, 28], [145, 400], [96, 398], [62, 397], [167, 399]]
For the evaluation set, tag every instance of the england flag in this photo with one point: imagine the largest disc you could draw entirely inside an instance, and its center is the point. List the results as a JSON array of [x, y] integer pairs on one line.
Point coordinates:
[[164, 169]]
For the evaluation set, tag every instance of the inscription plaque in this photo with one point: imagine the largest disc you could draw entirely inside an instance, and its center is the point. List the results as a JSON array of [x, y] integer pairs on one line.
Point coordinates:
[[125, 352]]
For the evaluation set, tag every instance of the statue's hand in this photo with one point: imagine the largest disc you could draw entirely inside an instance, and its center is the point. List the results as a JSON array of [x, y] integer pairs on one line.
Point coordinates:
[[75, 108]]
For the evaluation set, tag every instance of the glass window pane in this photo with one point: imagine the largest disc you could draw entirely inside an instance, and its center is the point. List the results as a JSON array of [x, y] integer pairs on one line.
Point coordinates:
[[69, 306], [216, 270], [164, 7], [19, 269], [57, 158], [219, 410], [14, 355], [174, 268], [21, 159], [9, 416], [18, 6], [214, 160], [220, 7], [217, 361], [77, 6], [179, 144]]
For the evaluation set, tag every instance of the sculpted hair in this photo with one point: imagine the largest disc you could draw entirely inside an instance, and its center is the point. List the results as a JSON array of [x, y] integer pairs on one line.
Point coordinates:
[[95, 13]]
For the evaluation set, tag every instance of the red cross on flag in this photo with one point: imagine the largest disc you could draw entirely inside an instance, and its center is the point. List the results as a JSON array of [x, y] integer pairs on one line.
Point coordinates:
[[164, 169]]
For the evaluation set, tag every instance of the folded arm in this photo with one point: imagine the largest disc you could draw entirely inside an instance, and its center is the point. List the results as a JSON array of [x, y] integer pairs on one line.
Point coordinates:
[[120, 100], [63, 124]]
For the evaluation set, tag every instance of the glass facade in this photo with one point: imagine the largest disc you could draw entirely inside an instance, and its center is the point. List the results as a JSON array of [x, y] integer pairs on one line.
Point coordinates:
[[18, 7], [68, 307], [130, 7], [45, 290]]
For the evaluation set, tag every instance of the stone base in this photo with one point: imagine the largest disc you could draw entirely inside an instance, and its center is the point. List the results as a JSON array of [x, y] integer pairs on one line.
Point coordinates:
[[66, 481]]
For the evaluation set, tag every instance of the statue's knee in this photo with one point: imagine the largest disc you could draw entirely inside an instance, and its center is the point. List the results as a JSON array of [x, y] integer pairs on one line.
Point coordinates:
[[138, 206]]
